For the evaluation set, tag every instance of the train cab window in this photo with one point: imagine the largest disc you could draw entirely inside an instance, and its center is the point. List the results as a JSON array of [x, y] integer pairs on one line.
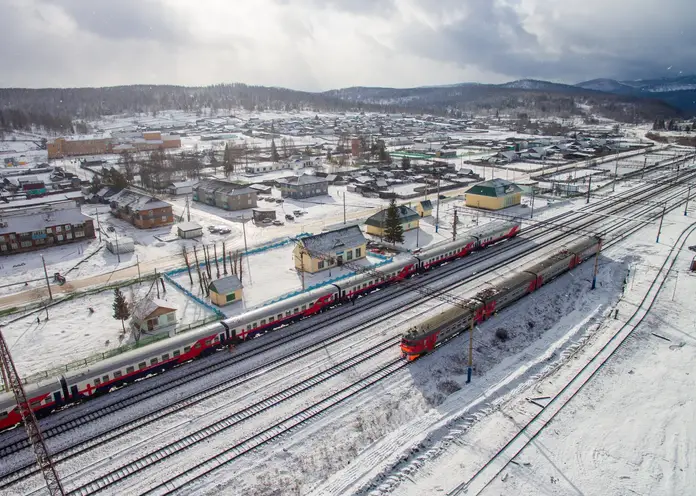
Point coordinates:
[[130, 370], [105, 378], [176, 353], [153, 361], [271, 320], [263, 322], [187, 349], [165, 357], [117, 374], [97, 381], [142, 365]]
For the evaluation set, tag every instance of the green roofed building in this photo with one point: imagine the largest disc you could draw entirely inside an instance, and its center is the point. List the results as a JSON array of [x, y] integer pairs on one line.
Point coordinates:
[[377, 223], [495, 194]]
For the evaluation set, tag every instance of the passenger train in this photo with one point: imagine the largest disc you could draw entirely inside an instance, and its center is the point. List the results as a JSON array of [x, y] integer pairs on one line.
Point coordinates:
[[79, 385], [500, 293]]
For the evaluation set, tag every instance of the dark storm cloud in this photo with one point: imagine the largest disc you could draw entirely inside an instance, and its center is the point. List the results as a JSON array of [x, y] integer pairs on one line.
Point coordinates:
[[124, 19], [494, 37]]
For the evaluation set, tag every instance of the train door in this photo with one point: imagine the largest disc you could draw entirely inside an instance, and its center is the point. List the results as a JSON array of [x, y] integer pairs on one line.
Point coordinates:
[[64, 388], [74, 393]]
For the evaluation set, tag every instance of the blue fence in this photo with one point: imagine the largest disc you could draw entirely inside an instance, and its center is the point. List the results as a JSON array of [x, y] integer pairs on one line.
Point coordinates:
[[194, 297]]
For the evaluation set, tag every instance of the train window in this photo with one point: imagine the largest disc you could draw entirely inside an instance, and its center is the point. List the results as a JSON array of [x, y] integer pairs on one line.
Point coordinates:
[[153, 361], [304, 307], [296, 310], [105, 378], [280, 316], [117, 374], [208, 341], [254, 325], [364, 285], [130, 370], [142, 365], [97, 381], [263, 322], [287, 314], [176, 353], [197, 346], [248, 327], [271, 319], [165, 357], [187, 349]]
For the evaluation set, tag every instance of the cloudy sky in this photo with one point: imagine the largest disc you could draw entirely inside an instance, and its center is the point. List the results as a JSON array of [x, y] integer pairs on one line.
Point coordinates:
[[322, 44]]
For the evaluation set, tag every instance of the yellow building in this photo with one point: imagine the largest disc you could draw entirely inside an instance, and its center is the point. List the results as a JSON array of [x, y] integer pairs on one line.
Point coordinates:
[[226, 290], [424, 208], [495, 194], [329, 249], [377, 224]]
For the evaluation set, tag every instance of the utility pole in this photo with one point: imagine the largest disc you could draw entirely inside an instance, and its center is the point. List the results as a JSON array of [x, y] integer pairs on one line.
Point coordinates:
[[686, 207], [437, 212], [43, 458], [344, 208], [98, 225], [471, 349], [616, 177], [589, 189], [659, 229], [645, 163], [118, 252], [532, 213], [454, 226], [596, 266], [244, 231], [48, 284], [188, 210], [137, 261]]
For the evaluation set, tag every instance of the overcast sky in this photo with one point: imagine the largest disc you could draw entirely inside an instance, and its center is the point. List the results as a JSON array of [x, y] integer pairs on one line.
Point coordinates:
[[323, 44]]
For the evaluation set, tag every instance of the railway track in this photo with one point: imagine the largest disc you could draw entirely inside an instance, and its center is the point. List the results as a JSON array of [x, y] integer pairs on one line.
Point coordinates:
[[182, 404], [484, 476]]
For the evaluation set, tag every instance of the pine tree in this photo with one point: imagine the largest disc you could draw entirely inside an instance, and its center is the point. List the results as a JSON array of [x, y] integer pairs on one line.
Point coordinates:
[[405, 163], [393, 231], [120, 306], [274, 152]]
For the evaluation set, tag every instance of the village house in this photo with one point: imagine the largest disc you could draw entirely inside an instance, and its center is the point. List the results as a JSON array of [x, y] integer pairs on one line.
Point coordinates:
[[408, 218], [225, 194], [329, 249], [153, 314], [34, 228], [424, 208], [141, 210]]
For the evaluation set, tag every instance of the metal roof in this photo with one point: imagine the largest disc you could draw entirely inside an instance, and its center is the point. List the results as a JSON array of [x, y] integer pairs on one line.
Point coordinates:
[[331, 241], [225, 285], [406, 214], [303, 179], [38, 221], [137, 201], [494, 188], [146, 307], [189, 226]]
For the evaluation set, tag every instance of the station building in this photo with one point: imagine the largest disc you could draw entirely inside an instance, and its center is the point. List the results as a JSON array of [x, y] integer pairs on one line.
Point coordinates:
[[495, 194]]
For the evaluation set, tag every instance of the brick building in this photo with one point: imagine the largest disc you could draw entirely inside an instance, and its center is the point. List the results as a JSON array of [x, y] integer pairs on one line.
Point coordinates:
[[70, 146], [34, 228], [141, 210]]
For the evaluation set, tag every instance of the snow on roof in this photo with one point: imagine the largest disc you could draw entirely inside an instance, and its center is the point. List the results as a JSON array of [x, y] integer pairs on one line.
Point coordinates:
[[189, 226], [225, 285], [39, 220], [303, 179], [348, 237], [147, 307], [406, 214], [137, 201]]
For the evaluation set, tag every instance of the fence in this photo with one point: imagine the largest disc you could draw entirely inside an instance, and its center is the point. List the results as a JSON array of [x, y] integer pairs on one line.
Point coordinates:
[[195, 298]]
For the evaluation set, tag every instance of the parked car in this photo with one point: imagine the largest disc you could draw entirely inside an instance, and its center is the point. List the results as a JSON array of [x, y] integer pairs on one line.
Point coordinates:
[[111, 228], [277, 222], [289, 217], [212, 229], [267, 220], [297, 212], [279, 200], [223, 230], [269, 200]]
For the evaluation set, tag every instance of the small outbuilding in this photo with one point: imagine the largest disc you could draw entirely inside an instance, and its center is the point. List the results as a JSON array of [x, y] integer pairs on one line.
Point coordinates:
[[225, 290], [152, 314], [424, 208], [182, 188], [189, 230], [120, 245], [262, 189], [261, 214]]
